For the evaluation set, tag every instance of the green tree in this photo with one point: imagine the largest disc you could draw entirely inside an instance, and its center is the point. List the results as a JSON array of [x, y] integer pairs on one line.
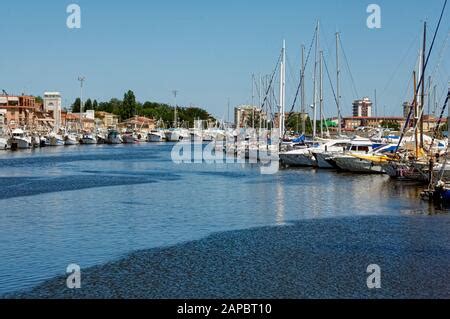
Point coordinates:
[[88, 105], [76, 105], [38, 100], [95, 105], [128, 106], [391, 125]]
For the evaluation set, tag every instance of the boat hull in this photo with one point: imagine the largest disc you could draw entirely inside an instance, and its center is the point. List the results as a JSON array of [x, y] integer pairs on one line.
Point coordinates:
[[323, 160], [356, 165], [20, 143], [3, 144], [301, 160], [128, 139], [155, 138]]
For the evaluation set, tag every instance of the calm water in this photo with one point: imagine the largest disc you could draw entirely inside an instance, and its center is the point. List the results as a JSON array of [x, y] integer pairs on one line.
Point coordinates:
[[92, 204]]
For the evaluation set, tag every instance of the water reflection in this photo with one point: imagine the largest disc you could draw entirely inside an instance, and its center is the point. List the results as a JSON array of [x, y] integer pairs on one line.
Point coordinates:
[[89, 205]]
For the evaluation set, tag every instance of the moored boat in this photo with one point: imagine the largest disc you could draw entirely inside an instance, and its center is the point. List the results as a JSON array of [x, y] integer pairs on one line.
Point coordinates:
[[19, 140]]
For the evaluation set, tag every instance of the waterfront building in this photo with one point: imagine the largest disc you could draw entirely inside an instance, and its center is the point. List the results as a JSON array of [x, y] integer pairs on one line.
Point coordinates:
[[18, 110], [107, 119], [52, 103], [362, 108], [248, 116]]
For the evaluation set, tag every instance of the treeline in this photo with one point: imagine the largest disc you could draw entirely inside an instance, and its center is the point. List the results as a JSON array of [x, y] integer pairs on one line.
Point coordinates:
[[128, 107]]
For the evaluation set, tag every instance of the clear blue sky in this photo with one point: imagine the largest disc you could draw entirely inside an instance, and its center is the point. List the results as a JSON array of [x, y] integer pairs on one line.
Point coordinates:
[[209, 49]]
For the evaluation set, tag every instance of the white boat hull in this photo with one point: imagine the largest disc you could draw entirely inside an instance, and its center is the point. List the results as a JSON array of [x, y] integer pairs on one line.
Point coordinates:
[[3, 144], [155, 137], [88, 140], [173, 136], [298, 159], [128, 139], [323, 160], [71, 141], [56, 141], [20, 143], [356, 165]]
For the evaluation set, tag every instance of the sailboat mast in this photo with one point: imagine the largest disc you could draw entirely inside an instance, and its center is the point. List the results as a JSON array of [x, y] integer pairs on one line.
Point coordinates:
[[175, 118], [338, 88], [315, 84], [260, 102], [282, 90], [321, 94], [303, 108], [422, 97], [416, 115], [253, 100]]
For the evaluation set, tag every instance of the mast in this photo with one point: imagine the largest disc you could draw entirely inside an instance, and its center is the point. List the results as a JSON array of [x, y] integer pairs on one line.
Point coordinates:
[[302, 79], [338, 89], [315, 84], [260, 102], [376, 103], [175, 117], [321, 94], [253, 100], [81, 79], [416, 115], [422, 96], [282, 89], [429, 101]]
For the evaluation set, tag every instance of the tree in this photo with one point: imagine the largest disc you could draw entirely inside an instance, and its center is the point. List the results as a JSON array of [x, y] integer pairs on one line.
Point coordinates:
[[76, 105], [39, 100], [88, 105], [128, 106], [95, 105], [391, 125]]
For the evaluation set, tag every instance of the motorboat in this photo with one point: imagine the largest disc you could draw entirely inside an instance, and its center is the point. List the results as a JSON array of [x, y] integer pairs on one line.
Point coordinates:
[[55, 140], [113, 137], [88, 139], [156, 136], [71, 139], [19, 140], [177, 134]]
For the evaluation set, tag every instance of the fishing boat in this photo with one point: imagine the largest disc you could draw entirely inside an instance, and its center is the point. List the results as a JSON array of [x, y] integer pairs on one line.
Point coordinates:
[[19, 140], [113, 137], [177, 134], [55, 140], [71, 139], [156, 136], [128, 138], [88, 139]]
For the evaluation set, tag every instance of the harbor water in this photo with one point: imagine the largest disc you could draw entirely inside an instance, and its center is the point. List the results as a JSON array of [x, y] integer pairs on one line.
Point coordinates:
[[89, 205]]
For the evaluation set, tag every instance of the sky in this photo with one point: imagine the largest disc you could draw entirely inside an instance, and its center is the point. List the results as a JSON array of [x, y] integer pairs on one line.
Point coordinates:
[[208, 50]]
